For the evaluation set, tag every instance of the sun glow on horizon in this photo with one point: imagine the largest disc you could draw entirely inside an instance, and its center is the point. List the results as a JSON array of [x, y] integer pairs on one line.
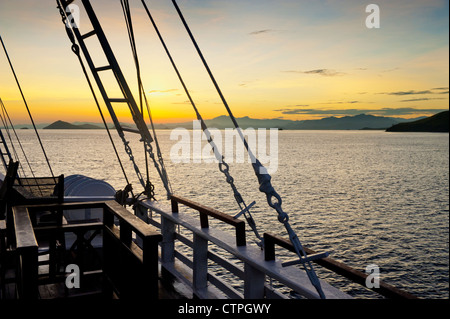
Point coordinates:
[[294, 60]]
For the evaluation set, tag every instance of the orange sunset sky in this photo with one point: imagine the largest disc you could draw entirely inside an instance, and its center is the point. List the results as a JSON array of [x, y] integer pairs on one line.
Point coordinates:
[[291, 59]]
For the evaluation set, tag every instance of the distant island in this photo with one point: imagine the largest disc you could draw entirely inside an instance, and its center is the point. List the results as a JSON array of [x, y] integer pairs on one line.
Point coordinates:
[[437, 123], [61, 125], [357, 122]]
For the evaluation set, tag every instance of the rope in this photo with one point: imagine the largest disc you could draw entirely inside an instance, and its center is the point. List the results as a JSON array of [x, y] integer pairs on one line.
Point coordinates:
[[223, 166], [273, 198], [4, 152], [28, 109], [143, 97], [5, 120], [127, 16], [76, 50], [6, 127]]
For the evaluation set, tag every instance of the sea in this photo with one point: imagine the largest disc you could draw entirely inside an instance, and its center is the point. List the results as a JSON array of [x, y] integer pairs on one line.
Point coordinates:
[[366, 197]]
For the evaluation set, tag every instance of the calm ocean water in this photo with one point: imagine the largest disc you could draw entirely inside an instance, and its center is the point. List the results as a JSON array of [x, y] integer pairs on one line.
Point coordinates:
[[367, 197]]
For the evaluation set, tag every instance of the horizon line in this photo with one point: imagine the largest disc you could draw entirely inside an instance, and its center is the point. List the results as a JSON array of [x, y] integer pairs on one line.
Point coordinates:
[[401, 116]]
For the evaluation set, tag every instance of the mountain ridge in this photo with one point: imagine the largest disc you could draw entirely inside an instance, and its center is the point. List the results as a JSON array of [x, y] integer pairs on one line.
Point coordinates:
[[356, 122], [438, 123]]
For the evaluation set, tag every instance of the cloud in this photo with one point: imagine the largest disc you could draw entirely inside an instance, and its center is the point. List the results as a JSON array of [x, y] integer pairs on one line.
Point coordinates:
[[345, 102], [390, 70], [162, 91], [442, 90], [297, 111], [407, 111], [422, 99], [411, 92], [258, 32], [346, 112], [182, 103], [323, 72]]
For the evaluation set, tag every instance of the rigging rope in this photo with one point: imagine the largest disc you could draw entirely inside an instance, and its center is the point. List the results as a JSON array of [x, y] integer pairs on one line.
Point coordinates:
[[223, 166], [76, 50], [5, 120], [273, 198], [143, 98], [28, 109], [6, 127], [125, 8]]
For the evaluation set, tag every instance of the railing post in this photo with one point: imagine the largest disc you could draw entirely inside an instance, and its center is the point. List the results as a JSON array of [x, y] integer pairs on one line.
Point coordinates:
[[269, 248], [27, 251], [125, 233], [240, 234], [108, 217], [28, 265], [174, 206], [204, 223], [141, 212], [253, 283], [108, 251], [150, 261], [168, 242], [200, 267]]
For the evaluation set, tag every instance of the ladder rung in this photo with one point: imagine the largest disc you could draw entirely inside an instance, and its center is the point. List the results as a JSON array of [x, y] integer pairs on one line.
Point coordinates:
[[89, 34], [118, 100], [103, 68]]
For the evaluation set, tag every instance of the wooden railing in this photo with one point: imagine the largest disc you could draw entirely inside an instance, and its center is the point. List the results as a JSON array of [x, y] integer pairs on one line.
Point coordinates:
[[131, 254], [27, 252], [126, 264], [384, 289], [195, 271], [259, 265], [206, 211], [132, 270]]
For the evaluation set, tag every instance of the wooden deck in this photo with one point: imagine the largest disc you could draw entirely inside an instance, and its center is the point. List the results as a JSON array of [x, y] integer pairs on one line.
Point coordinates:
[[121, 268], [139, 257]]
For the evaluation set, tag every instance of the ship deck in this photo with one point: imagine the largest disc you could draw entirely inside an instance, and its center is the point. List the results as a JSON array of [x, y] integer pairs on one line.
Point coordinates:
[[135, 255]]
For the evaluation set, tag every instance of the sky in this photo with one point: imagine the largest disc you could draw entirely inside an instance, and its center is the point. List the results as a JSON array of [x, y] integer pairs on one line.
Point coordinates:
[[288, 59]]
